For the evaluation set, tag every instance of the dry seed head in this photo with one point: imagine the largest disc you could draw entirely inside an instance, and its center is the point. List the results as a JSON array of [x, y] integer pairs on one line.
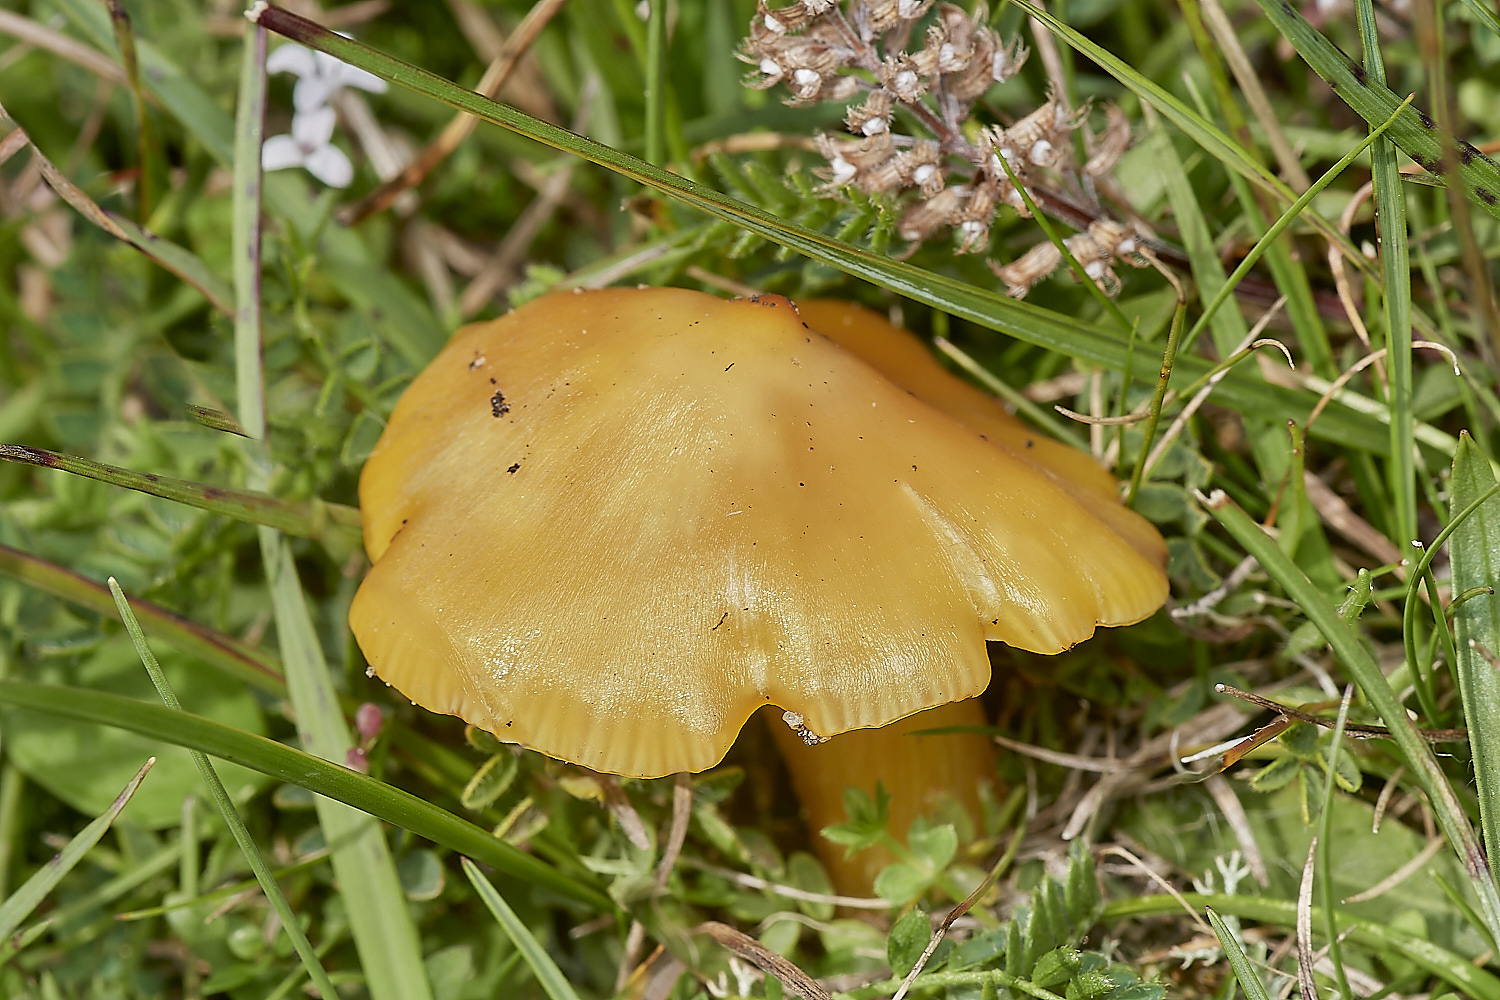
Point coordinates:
[[1032, 266], [921, 166], [926, 217], [876, 17], [1118, 239], [1094, 259], [823, 50], [902, 78], [853, 161], [873, 116]]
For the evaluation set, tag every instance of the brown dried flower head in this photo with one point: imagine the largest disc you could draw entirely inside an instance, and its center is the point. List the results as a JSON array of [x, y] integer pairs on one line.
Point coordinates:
[[950, 171]]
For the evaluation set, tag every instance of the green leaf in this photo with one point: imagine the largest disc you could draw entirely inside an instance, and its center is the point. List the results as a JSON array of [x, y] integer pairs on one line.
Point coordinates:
[[908, 940], [227, 810], [867, 819], [1377, 936], [546, 971], [1376, 690], [1474, 548], [935, 845], [1056, 966], [1275, 774], [901, 883]]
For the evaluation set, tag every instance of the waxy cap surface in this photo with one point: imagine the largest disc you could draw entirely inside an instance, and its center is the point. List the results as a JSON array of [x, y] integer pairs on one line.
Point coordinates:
[[610, 525]]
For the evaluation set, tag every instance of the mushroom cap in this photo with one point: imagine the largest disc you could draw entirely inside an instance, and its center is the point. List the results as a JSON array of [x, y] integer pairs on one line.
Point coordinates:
[[612, 524], [901, 356]]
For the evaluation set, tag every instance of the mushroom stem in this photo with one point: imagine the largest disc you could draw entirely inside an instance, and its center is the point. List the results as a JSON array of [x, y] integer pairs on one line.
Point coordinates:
[[918, 772]]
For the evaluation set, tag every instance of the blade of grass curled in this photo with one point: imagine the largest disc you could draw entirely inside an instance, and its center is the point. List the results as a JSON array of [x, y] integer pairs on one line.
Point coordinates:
[[1395, 264], [1024, 321], [1244, 972], [284, 763], [1280, 226], [1414, 133], [1475, 553], [19, 904], [380, 922], [1452, 968], [1375, 689], [247, 845], [1325, 847], [309, 520], [546, 971]]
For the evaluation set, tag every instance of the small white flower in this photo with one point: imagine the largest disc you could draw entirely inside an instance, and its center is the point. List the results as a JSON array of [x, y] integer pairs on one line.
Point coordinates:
[[308, 146], [319, 76]]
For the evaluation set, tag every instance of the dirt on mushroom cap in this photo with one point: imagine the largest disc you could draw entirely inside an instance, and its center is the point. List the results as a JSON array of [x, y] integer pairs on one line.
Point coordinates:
[[691, 508]]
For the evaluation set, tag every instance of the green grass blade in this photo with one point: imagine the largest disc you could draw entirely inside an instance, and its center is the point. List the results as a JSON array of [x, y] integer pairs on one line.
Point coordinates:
[[285, 763], [1376, 691], [1024, 321], [1395, 261], [1324, 848], [656, 83], [25, 899], [304, 520], [245, 223], [380, 922], [1378, 937], [247, 845], [1414, 132], [546, 971], [1484, 16], [1249, 979], [1475, 552]]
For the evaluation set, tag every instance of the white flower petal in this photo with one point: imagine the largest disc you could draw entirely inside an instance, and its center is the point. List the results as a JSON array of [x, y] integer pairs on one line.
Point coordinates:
[[313, 92], [292, 58], [280, 152], [313, 129], [329, 165]]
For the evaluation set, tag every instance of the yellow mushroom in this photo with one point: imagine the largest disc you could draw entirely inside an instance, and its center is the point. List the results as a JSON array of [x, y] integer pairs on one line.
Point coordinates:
[[611, 525]]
